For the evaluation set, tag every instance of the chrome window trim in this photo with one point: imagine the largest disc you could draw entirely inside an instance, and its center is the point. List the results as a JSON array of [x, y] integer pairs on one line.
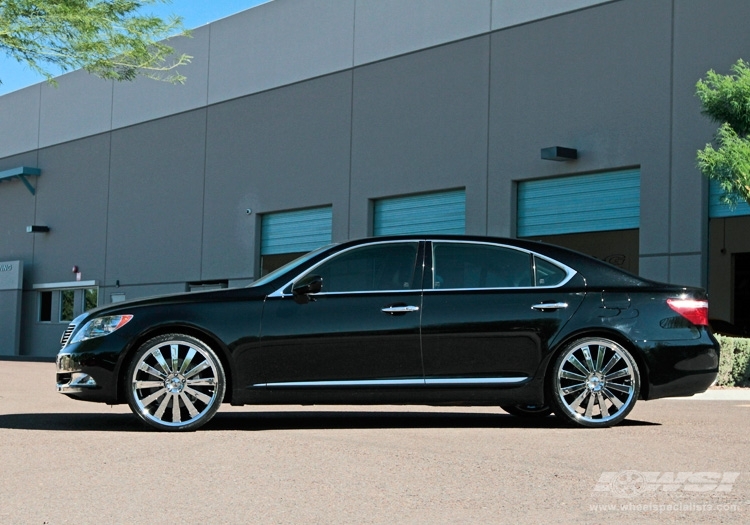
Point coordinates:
[[280, 291], [430, 381], [569, 272]]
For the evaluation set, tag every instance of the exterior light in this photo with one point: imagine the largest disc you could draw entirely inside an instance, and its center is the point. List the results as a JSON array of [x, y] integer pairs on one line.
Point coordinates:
[[559, 153]]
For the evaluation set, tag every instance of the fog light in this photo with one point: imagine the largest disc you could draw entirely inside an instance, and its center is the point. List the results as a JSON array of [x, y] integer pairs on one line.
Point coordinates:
[[82, 380]]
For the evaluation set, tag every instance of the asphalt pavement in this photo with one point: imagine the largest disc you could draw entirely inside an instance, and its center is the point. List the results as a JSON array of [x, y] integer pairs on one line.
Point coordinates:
[[65, 461]]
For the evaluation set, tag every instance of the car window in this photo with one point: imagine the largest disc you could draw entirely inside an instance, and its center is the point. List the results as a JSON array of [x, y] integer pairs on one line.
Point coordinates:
[[467, 265], [547, 274], [383, 266]]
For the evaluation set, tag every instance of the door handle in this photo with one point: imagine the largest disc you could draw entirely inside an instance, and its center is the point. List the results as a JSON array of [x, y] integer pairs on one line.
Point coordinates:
[[394, 310], [549, 306]]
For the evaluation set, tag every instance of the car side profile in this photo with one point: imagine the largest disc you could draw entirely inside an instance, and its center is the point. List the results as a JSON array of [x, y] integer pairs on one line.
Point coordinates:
[[435, 320]]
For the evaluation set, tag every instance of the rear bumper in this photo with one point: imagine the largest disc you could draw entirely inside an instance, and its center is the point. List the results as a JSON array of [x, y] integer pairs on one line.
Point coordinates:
[[681, 368]]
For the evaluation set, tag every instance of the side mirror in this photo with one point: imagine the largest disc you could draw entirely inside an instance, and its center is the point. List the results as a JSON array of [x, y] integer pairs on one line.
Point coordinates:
[[311, 284]]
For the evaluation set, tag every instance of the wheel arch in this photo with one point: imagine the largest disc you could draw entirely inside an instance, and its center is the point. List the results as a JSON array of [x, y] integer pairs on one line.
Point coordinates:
[[613, 335], [206, 337]]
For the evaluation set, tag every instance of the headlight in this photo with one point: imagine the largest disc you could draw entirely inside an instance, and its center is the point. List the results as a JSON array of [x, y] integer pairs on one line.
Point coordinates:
[[100, 327]]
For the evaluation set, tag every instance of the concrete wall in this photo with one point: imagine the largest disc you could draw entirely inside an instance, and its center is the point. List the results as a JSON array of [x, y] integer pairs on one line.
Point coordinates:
[[272, 45], [11, 287], [146, 186], [597, 80]]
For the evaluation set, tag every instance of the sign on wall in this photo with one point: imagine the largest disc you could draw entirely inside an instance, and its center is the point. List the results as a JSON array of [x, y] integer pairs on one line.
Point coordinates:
[[11, 275]]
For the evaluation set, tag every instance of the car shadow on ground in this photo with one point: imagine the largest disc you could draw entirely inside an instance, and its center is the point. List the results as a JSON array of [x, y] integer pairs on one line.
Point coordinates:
[[286, 420]]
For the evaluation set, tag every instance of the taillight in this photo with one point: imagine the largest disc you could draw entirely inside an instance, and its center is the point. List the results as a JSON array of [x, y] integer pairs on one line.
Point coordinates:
[[693, 310]]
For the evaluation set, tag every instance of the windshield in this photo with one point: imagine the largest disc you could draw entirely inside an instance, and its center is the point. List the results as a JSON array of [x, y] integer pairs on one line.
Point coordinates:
[[289, 266]]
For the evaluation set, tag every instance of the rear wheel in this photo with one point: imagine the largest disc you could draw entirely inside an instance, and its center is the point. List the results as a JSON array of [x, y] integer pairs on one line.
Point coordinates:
[[529, 411], [595, 383], [175, 382]]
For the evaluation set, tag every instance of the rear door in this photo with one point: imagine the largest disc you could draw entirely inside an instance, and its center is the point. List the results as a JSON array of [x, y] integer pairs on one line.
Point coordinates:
[[489, 312]]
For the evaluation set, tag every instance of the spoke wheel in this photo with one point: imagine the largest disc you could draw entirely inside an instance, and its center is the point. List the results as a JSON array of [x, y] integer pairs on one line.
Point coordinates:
[[175, 382], [595, 383], [528, 411]]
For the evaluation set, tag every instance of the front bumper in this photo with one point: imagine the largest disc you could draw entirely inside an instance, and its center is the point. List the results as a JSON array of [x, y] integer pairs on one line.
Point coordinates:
[[70, 377], [88, 370]]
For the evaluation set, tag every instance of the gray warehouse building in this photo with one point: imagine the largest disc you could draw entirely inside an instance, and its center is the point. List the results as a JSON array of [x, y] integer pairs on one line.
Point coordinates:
[[305, 122]]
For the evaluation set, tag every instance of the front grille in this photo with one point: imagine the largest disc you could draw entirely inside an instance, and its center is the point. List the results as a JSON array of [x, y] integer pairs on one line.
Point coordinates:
[[66, 335]]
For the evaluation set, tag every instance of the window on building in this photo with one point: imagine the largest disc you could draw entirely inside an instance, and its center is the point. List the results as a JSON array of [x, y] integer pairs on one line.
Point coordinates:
[[90, 299], [45, 307], [65, 304]]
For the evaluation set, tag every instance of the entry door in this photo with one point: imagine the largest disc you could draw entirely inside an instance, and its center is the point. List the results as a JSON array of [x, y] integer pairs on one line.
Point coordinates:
[[742, 291], [490, 313], [362, 329]]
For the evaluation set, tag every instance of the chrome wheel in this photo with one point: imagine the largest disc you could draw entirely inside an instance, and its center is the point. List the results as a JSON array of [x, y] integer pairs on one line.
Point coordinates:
[[176, 382], [528, 410], [595, 383]]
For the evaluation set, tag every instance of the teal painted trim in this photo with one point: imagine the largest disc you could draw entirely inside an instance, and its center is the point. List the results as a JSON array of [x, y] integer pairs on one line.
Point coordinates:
[[443, 212], [580, 203], [21, 173], [295, 231], [719, 210]]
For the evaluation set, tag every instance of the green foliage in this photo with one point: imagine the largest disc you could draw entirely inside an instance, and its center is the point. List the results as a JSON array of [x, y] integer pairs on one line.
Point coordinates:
[[734, 362], [729, 165], [726, 99], [112, 39]]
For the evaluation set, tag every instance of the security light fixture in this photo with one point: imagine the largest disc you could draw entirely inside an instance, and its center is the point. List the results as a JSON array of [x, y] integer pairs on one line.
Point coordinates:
[[35, 228], [559, 153]]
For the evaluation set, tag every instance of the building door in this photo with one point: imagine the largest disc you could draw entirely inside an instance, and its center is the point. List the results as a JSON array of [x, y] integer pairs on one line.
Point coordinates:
[[439, 212], [742, 291], [597, 214], [286, 235]]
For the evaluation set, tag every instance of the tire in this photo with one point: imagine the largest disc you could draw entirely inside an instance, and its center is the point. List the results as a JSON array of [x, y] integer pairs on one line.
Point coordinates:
[[175, 382], [595, 383], [528, 411]]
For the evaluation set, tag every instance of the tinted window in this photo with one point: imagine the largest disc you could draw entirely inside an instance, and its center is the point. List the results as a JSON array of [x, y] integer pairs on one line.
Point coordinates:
[[465, 265], [388, 266], [548, 274]]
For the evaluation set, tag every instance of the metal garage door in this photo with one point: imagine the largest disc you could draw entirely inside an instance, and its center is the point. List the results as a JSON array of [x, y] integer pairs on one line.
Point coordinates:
[[581, 203], [295, 231], [717, 209], [443, 212]]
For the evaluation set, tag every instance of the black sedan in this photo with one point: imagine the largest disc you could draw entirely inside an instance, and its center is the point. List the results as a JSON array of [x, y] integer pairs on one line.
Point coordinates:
[[439, 320]]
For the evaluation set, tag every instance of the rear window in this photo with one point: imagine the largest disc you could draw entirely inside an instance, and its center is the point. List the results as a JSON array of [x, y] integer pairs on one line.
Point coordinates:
[[547, 273]]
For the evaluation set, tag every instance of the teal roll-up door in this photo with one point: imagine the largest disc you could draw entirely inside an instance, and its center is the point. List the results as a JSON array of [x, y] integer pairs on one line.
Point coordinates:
[[443, 212], [295, 231], [580, 203], [718, 210]]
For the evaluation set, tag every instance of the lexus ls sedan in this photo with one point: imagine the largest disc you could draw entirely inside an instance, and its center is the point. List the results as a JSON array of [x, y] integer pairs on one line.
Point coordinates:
[[436, 320]]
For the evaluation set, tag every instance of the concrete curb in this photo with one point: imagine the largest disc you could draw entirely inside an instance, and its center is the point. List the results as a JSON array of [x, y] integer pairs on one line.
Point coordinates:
[[720, 394]]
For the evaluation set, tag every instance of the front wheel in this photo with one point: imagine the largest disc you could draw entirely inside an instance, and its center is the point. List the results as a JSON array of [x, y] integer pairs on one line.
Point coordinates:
[[175, 382], [595, 383]]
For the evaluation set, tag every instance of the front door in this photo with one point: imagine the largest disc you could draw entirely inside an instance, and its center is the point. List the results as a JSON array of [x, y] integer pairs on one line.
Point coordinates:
[[360, 330]]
